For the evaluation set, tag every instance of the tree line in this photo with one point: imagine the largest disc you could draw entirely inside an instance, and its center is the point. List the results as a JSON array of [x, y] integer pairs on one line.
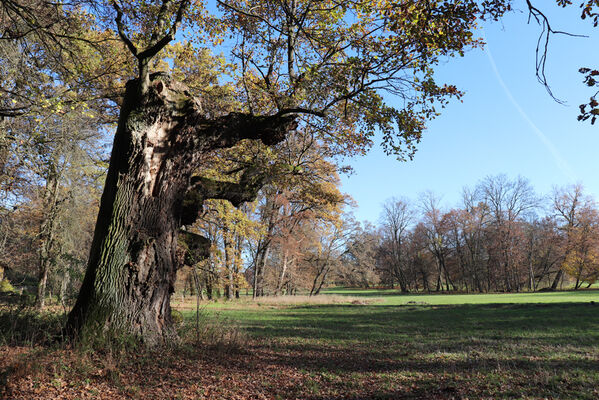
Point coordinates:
[[299, 235], [503, 237]]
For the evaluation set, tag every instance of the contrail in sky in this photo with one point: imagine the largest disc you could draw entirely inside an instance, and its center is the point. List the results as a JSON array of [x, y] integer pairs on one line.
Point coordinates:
[[559, 160]]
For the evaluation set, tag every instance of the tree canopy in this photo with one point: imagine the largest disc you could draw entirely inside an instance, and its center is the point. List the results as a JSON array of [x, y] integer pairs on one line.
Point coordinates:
[[336, 63]]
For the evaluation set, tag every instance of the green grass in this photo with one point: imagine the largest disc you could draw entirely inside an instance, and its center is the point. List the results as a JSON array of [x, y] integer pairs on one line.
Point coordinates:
[[392, 297], [531, 345]]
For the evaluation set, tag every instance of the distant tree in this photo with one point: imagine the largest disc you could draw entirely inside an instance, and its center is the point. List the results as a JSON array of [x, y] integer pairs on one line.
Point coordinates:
[[455, 239], [577, 213], [422, 263], [437, 232], [543, 247], [229, 228], [570, 204], [396, 218], [359, 260], [582, 259], [56, 165], [303, 185], [324, 254], [508, 202]]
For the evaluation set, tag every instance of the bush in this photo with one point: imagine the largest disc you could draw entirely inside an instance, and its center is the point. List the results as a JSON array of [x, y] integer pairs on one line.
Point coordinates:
[[24, 326], [6, 287], [177, 317]]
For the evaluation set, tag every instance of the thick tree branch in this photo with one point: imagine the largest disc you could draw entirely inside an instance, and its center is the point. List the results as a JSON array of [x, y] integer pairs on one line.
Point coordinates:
[[121, 29], [12, 112], [154, 47], [246, 189], [300, 110], [202, 188], [166, 39], [228, 130], [160, 20]]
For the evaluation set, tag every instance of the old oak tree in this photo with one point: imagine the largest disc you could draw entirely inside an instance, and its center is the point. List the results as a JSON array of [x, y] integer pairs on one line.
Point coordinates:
[[330, 65]]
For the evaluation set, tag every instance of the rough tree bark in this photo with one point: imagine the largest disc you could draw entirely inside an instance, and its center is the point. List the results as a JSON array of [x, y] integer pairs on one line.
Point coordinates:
[[149, 194]]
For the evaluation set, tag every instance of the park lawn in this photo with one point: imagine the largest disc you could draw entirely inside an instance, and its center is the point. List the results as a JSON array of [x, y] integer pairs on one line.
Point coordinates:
[[393, 297], [495, 346], [543, 345]]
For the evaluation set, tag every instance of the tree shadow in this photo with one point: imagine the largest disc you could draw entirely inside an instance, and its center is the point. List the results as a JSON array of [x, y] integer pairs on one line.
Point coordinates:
[[381, 352], [551, 323]]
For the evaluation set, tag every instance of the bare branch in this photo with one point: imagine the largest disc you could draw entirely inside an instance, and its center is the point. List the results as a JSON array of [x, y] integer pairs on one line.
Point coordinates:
[[242, 12], [543, 45]]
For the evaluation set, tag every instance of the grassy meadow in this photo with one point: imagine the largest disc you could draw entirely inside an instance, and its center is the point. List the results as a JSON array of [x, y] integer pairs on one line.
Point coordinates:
[[353, 344], [528, 345], [391, 297]]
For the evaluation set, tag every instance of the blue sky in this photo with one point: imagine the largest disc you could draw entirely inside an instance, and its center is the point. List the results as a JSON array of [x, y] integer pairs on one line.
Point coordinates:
[[507, 122]]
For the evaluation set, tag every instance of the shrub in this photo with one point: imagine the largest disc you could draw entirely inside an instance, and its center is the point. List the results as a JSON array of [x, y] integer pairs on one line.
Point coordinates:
[[24, 326], [177, 317], [6, 287]]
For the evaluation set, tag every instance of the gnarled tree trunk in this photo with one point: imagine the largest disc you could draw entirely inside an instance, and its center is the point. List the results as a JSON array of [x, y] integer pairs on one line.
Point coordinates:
[[161, 137]]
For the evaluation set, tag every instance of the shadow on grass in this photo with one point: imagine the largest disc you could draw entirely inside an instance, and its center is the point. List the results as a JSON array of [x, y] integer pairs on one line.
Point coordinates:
[[370, 293], [384, 352], [359, 376], [432, 338], [397, 292], [391, 323], [344, 361]]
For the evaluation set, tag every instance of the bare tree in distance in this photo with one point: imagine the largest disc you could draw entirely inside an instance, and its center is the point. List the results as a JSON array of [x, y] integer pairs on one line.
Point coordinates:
[[396, 218]]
